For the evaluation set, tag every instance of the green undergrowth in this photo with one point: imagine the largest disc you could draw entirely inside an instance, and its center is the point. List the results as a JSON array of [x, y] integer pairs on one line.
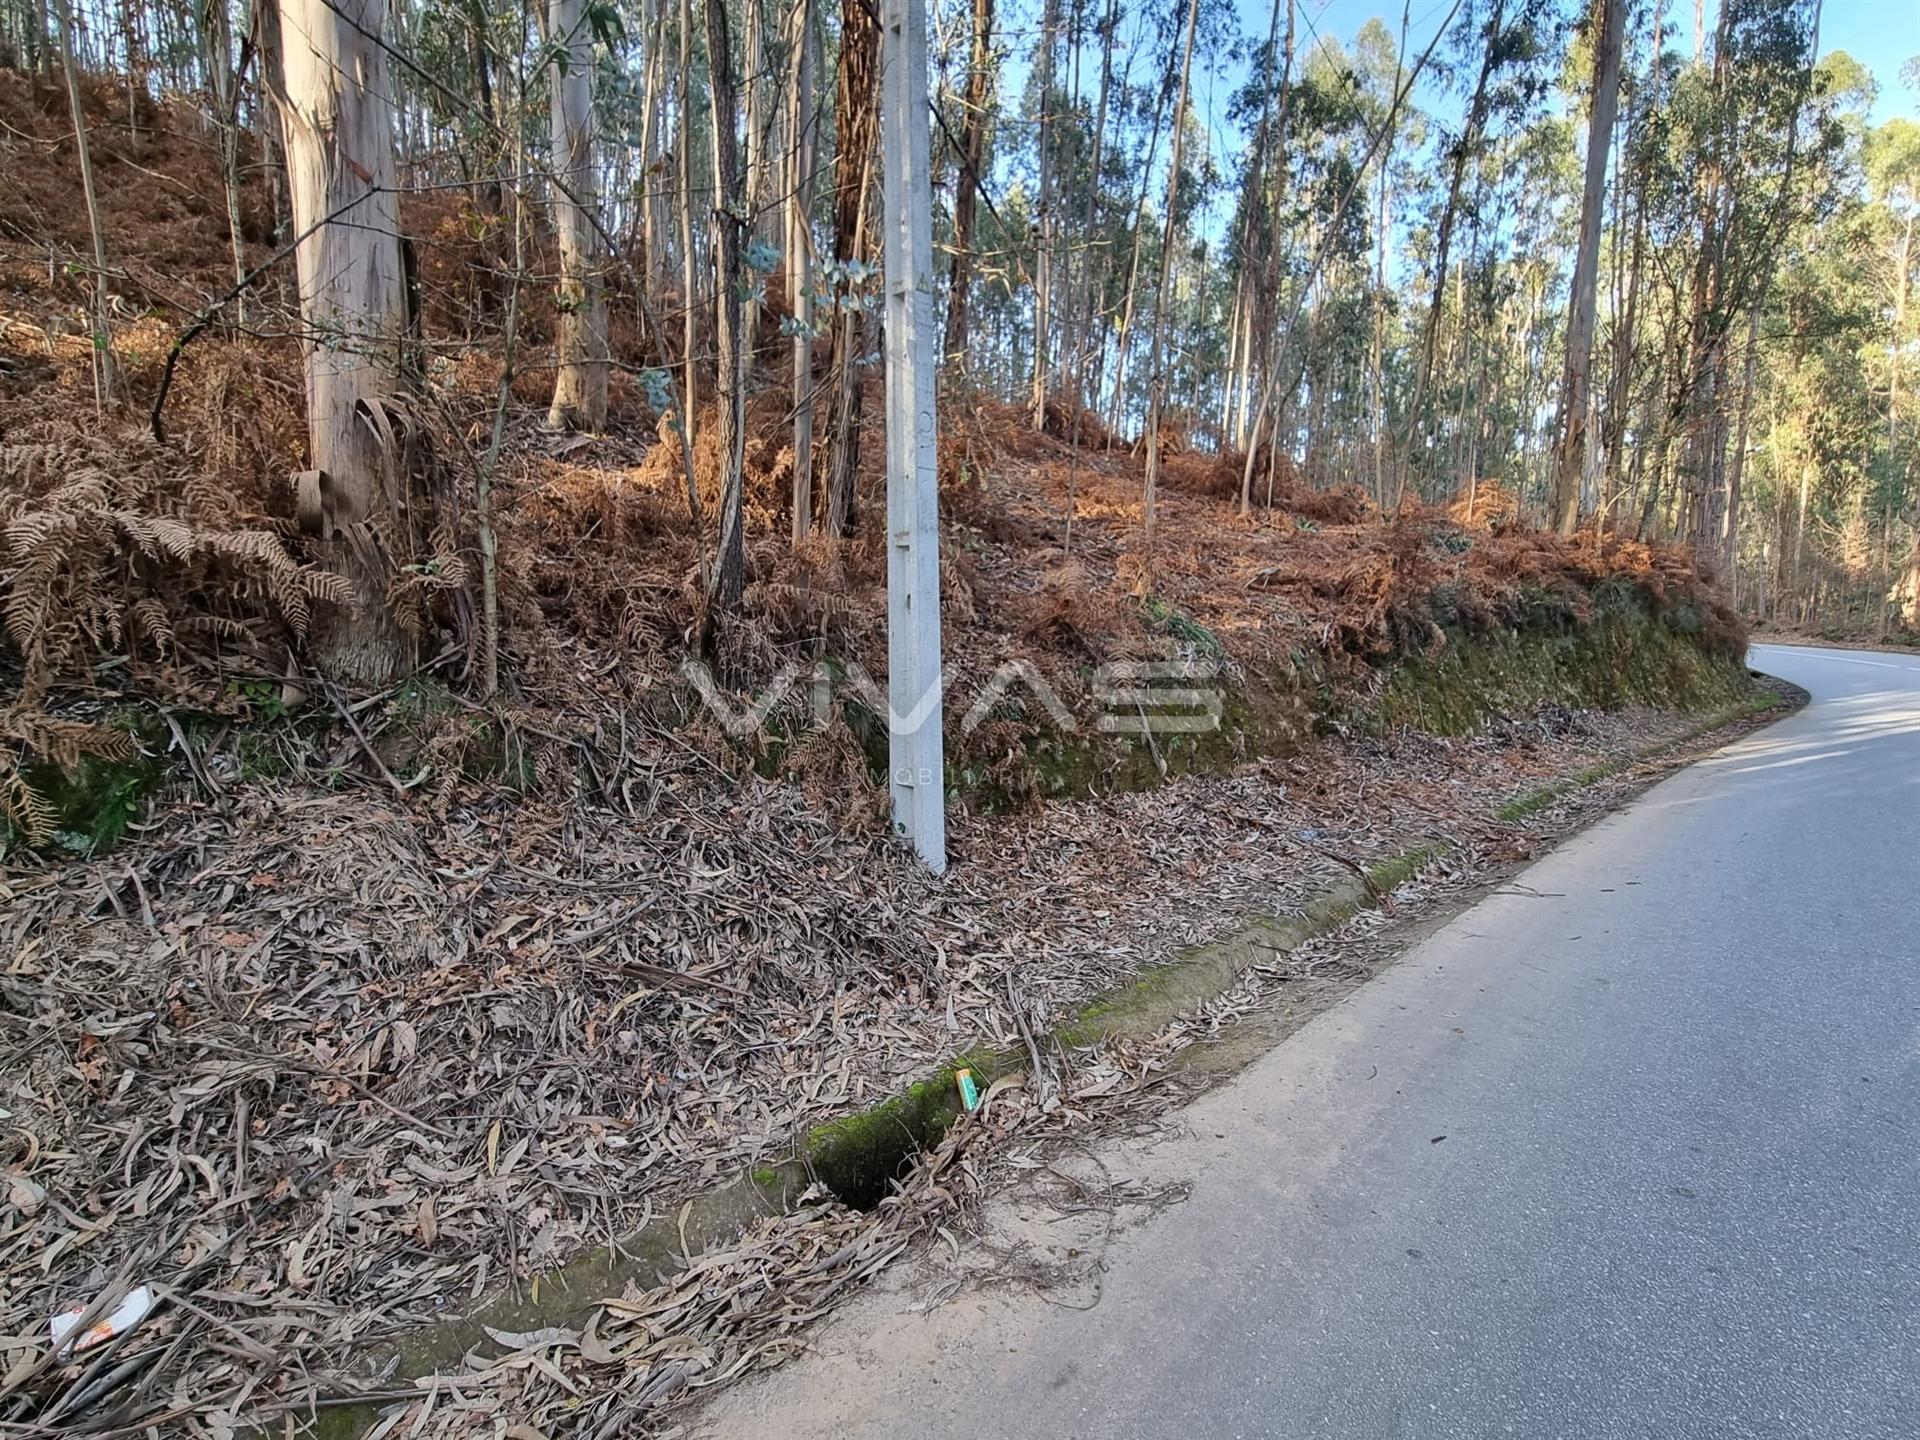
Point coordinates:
[[93, 803]]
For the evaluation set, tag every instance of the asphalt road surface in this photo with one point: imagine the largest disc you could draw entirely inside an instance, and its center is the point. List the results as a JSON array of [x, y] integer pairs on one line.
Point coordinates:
[[1629, 1149]]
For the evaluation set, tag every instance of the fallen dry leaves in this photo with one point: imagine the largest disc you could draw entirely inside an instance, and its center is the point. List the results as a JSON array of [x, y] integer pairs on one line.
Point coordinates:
[[323, 1068]]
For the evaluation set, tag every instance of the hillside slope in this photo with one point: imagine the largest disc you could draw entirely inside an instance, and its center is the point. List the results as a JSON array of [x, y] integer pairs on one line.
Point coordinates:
[[333, 1010]]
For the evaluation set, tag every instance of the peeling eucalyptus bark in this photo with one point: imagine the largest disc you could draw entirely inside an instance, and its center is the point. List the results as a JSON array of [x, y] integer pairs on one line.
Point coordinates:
[[336, 113], [580, 340]]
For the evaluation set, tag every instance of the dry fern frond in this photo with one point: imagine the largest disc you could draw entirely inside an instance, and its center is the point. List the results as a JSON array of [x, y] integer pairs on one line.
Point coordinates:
[[63, 741], [108, 545], [150, 617], [24, 807]]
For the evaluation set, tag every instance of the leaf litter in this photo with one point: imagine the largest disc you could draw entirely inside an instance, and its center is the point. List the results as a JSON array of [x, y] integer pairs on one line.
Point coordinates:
[[320, 1069]]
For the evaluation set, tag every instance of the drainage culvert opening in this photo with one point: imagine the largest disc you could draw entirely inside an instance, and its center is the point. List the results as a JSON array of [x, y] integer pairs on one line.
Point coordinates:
[[858, 1157]]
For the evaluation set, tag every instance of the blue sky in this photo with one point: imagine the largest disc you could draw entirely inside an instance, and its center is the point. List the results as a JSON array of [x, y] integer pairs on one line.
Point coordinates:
[[1880, 34]]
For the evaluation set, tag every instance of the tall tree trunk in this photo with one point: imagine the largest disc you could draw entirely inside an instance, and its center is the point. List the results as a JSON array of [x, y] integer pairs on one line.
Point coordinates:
[[1271, 394], [269, 127], [799, 236], [1084, 308], [105, 379], [689, 262], [759, 181], [1254, 238], [336, 111], [729, 562], [1381, 231], [487, 538], [1095, 215], [580, 377], [216, 50], [1626, 330], [1709, 496], [1123, 338], [1902, 278], [1570, 461], [1267, 274], [1156, 381], [136, 68], [1073, 263], [1231, 431], [36, 53], [1666, 402], [1265, 262], [966, 187], [1737, 467], [1377, 350], [491, 158], [1043, 245], [1706, 340], [856, 129], [1627, 327], [1476, 120], [653, 124]]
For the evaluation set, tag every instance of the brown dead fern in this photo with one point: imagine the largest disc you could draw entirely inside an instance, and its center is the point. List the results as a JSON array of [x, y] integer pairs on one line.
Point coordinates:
[[109, 547], [26, 733]]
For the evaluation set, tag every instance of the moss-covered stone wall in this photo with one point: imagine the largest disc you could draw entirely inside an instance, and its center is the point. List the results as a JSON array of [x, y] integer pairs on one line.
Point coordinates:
[[1618, 652], [1618, 656], [1614, 652]]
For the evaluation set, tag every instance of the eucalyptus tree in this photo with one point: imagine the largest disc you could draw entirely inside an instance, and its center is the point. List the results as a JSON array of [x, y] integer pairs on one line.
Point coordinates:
[[1742, 172], [580, 369], [1156, 380], [1609, 27], [729, 222], [334, 97], [975, 121], [105, 381]]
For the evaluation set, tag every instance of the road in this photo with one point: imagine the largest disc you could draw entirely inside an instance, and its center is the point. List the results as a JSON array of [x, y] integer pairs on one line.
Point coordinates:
[[1629, 1149]]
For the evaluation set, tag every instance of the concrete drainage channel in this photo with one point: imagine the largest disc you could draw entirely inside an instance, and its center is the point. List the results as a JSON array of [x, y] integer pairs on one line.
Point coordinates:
[[859, 1156]]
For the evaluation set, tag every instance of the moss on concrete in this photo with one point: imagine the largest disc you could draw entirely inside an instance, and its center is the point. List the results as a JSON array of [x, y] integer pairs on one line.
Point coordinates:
[[1614, 653], [1258, 719], [858, 1156], [1602, 650], [1621, 655]]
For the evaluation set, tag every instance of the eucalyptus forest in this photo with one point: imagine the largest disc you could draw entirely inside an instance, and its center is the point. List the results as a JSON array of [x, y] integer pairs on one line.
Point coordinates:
[[1638, 267], [651, 647]]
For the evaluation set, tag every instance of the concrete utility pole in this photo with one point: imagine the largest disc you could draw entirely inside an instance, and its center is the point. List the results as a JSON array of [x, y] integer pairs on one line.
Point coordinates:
[[915, 747]]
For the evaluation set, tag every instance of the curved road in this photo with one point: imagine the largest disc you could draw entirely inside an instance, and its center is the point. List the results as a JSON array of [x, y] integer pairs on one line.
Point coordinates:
[[1677, 1069]]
